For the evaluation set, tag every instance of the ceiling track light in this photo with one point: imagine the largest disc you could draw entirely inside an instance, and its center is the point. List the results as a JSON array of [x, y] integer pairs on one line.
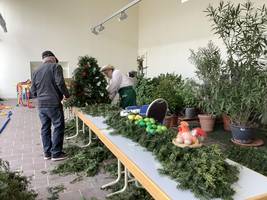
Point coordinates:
[[101, 28], [123, 16], [94, 31], [3, 23], [121, 13]]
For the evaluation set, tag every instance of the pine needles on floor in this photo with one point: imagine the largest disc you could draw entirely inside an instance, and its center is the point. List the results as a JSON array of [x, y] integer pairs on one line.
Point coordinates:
[[13, 185]]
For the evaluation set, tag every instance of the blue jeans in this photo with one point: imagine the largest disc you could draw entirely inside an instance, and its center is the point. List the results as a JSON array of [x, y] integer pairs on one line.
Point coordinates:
[[52, 144]]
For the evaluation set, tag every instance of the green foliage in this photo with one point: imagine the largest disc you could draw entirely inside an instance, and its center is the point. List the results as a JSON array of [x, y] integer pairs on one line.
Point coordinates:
[[84, 160], [88, 85], [90, 160], [242, 27], [132, 192], [54, 192], [254, 158], [166, 86], [101, 109], [203, 171], [251, 157], [13, 186], [209, 71], [189, 93], [145, 89], [169, 88]]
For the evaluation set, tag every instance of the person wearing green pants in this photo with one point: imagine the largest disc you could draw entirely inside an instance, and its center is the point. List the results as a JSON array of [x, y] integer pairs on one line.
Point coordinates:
[[120, 83]]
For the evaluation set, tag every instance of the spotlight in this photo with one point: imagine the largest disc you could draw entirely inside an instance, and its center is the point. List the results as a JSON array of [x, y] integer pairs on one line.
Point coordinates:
[[101, 28], [3, 23], [94, 31], [123, 16]]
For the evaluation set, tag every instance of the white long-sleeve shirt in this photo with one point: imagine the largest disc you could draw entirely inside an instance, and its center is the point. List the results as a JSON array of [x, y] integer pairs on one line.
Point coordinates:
[[118, 81]]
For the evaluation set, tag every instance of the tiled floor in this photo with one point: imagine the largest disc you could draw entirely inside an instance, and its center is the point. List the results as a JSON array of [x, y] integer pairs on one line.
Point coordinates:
[[20, 144]]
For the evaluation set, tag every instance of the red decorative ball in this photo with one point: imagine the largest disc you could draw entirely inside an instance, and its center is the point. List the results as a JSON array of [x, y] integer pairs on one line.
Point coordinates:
[[84, 74]]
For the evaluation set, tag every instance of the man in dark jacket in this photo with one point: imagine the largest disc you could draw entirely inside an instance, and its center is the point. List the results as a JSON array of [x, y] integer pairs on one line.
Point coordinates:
[[49, 87]]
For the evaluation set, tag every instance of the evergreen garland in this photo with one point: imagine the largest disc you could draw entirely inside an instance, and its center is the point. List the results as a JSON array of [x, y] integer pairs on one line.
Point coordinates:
[[82, 160], [204, 171], [91, 160], [13, 186], [88, 85], [251, 157], [131, 193], [254, 158], [54, 192]]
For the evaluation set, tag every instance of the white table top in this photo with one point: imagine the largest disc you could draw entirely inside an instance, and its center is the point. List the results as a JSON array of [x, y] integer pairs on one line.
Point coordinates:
[[250, 183]]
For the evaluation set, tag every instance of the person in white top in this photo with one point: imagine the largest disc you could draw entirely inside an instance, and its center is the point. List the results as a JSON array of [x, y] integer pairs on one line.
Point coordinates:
[[120, 83]]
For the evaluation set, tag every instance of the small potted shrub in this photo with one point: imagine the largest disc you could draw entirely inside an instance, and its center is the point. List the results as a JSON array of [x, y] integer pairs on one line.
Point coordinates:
[[206, 103], [189, 94], [164, 86], [145, 89], [226, 122], [242, 27], [168, 88], [208, 63]]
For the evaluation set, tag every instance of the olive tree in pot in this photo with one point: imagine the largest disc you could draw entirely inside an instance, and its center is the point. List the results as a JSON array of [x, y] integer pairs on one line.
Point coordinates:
[[241, 27], [208, 63], [189, 94]]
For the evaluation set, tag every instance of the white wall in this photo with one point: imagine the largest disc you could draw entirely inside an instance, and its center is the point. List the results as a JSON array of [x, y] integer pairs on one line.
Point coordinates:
[[164, 30], [63, 27], [168, 29]]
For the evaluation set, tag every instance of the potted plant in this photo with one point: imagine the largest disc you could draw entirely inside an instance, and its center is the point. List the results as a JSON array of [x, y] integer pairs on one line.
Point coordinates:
[[208, 63], [145, 88], [168, 88], [189, 94], [226, 122], [241, 27], [164, 86]]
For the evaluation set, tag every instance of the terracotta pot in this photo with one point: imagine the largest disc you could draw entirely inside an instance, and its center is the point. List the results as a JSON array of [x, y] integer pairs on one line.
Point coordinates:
[[207, 122], [226, 122], [167, 121], [174, 121]]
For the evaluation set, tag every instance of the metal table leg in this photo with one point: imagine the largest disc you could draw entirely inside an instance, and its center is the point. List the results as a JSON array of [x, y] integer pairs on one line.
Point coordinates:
[[125, 184], [137, 184], [66, 114], [77, 129], [127, 179], [90, 138], [118, 178]]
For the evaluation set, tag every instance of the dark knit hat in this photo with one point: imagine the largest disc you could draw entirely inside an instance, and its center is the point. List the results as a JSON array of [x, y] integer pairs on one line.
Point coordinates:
[[47, 54]]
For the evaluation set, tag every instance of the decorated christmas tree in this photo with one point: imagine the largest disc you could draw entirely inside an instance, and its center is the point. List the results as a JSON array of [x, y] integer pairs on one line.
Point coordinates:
[[88, 85]]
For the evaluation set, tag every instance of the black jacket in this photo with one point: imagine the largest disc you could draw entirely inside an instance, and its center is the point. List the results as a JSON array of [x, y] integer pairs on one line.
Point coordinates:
[[48, 85]]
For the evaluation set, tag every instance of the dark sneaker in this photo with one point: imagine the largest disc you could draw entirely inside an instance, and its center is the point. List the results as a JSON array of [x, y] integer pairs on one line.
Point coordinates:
[[47, 157], [61, 156]]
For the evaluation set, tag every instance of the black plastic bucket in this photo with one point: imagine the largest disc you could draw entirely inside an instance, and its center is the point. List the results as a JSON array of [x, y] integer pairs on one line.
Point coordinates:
[[190, 113]]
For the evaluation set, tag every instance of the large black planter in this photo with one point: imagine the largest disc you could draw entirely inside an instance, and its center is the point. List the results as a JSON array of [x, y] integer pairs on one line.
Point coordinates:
[[242, 134], [190, 113]]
